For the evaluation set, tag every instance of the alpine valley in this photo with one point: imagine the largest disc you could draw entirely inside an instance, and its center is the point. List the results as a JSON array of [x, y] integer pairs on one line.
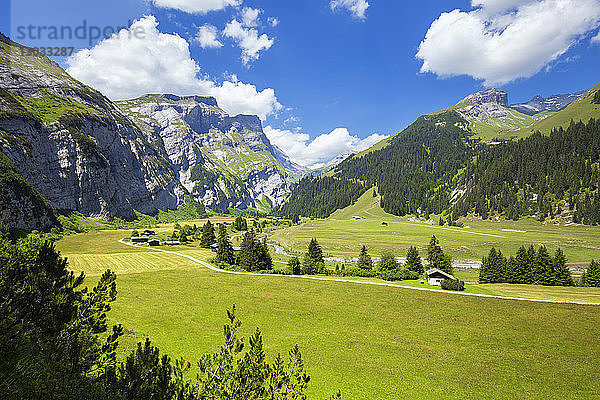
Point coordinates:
[[65, 147]]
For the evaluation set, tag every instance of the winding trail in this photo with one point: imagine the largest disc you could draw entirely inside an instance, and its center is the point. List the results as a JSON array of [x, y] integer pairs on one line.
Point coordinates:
[[315, 278]]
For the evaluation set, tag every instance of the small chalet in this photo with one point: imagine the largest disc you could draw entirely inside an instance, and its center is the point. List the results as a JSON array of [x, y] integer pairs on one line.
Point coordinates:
[[148, 232], [384, 223], [172, 243], [154, 242], [139, 239], [436, 276]]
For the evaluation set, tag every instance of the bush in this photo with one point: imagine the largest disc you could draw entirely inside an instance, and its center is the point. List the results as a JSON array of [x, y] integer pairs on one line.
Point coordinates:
[[453, 284], [399, 275], [358, 272]]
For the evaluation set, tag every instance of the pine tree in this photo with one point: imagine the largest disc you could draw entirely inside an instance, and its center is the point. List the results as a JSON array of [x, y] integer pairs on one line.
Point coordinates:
[[544, 271], [250, 253], [413, 261], [313, 259], [240, 224], [592, 275], [364, 259], [208, 235], [562, 275], [295, 266], [523, 266], [437, 258], [493, 268], [388, 262], [225, 252]]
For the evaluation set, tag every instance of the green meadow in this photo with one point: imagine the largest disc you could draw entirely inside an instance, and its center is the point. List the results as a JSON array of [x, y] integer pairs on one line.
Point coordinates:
[[371, 342], [342, 236]]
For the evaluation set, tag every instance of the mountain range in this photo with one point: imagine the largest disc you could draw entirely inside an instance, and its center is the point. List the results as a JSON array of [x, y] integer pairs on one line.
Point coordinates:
[[71, 146], [65, 147]]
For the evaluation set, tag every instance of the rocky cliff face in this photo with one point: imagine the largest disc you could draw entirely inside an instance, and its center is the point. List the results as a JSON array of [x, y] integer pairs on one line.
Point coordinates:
[[73, 145], [222, 160]]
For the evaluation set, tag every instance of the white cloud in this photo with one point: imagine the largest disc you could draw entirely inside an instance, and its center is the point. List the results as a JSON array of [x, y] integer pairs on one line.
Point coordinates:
[[273, 21], [322, 149], [596, 39], [503, 40], [250, 17], [207, 37], [248, 40], [127, 65], [357, 7], [196, 6]]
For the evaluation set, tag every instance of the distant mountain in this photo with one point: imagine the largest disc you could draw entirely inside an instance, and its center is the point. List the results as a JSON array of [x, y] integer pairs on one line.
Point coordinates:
[[581, 109], [73, 146], [331, 164], [553, 103], [490, 116]]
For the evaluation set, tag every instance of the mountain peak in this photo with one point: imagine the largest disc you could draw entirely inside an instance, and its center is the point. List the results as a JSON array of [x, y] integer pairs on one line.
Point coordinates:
[[493, 95]]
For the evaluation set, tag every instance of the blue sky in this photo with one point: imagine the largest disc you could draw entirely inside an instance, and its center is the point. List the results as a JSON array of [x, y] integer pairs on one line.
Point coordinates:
[[339, 72]]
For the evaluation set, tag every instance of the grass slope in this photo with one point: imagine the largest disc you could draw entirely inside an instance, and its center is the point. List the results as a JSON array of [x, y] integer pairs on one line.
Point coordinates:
[[370, 342], [342, 236], [581, 109]]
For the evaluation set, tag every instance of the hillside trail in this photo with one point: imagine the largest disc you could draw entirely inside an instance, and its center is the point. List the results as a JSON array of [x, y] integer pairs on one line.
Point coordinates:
[[350, 281]]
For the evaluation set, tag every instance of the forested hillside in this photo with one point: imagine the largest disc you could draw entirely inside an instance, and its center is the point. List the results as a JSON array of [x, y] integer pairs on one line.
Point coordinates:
[[433, 167], [414, 172], [533, 175]]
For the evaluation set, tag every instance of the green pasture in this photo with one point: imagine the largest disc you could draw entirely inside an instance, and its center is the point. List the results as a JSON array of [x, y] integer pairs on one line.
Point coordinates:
[[342, 236], [371, 342]]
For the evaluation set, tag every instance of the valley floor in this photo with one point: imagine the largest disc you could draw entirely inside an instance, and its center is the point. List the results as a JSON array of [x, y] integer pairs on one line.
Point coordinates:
[[372, 342], [341, 235]]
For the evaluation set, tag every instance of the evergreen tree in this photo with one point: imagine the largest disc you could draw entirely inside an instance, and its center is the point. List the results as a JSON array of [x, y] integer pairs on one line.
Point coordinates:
[[437, 258], [208, 235], [135, 234], [413, 261], [522, 269], [493, 268], [265, 259], [295, 266], [364, 259], [544, 268], [592, 275], [313, 259], [225, 252], [240, 224], [255, 254], [388, 262], [562, 275]]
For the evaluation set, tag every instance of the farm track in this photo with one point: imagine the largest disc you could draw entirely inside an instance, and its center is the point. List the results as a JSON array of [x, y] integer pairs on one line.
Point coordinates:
[[442, 292]]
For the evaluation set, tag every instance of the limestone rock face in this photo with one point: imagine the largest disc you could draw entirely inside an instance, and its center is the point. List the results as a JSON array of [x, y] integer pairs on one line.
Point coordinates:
[[73, 145], [222, 160]]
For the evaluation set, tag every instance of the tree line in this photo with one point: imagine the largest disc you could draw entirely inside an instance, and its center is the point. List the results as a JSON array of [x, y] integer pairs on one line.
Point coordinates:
[[529, 266]]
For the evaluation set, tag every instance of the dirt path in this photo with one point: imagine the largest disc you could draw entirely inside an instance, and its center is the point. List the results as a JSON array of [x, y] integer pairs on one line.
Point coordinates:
[[315, 278]]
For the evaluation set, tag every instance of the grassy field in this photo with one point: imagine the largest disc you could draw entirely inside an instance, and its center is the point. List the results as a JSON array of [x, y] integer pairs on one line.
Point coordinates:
[[371, 342], [342, 236]]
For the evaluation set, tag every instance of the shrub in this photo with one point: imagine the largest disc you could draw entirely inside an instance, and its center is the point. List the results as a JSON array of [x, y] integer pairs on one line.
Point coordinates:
[[453, 284], [399, 275]]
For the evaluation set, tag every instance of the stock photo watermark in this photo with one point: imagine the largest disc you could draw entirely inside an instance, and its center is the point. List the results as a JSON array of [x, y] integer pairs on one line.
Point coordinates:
[[59, 40]]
